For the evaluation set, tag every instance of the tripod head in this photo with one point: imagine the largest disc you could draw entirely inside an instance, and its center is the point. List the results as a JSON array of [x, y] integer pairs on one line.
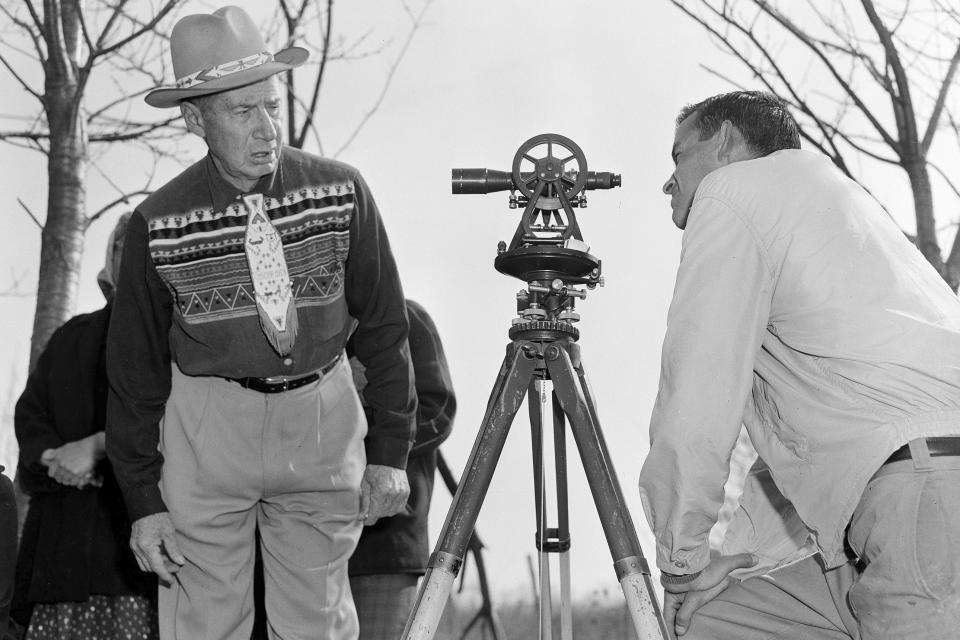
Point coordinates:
[[547, 251]]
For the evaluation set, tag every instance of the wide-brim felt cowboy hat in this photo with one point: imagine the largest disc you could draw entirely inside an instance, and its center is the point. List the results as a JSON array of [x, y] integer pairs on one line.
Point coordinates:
[[214, 52]]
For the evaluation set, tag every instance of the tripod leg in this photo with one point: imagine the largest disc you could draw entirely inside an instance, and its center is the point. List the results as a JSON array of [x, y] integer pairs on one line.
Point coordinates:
[[629, 563], [505, 399], [563, 519], [535, 408]]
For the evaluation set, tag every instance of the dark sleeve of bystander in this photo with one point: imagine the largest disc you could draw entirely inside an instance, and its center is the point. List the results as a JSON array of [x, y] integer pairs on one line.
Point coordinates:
[[437, 403], [35, 426], [8, 548]]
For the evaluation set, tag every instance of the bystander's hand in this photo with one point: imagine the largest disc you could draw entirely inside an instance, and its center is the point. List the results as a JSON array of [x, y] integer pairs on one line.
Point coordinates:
[[154, 543], [49, 459], [73, 464], [80, 457], [383, 492], [680, 601]]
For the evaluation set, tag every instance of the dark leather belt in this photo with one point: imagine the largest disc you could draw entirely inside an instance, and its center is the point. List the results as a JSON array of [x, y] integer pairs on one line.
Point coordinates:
[[273, 385], [947, 446]]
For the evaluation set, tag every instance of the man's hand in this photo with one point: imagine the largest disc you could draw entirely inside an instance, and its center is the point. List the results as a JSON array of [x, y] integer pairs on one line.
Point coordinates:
[[154, 543], [383, 492], [680, 601]]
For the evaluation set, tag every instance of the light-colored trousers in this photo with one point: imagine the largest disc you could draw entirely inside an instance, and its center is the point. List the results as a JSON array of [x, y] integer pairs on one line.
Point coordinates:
[[906, 531], [290, 463]]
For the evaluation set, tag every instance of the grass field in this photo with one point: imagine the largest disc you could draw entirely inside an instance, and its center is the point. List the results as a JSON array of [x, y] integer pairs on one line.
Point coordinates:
[[601, 618]]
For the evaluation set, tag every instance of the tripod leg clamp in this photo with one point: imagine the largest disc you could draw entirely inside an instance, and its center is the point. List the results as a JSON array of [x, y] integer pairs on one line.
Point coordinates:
[[447, 562], [630, 565]]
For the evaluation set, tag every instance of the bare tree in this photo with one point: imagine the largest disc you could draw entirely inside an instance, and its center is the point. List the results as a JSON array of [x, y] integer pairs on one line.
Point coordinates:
[[78, 48], [310, 23], [874, 84]]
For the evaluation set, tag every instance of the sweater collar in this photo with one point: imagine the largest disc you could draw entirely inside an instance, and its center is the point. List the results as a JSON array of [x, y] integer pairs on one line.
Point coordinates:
[[223, 194]]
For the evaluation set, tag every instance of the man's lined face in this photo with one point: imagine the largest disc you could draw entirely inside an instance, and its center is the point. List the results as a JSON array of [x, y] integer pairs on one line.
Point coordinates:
[[243, 129]]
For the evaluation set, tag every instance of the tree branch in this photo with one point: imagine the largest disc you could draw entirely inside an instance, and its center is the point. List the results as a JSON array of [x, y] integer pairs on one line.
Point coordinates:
[[84, 30], [902, 99], [417, 20], [37, 21], [124, 199], [20, 79], [150, 25], [141, 130], [29, 29], [953, 262], [36, 220], [829, 152], [831, 68], [799, 103], [315, 97], [938, 105], [860, 148], [29, 145], [108, 27], [945, 177], [14, 290], [7, 136]]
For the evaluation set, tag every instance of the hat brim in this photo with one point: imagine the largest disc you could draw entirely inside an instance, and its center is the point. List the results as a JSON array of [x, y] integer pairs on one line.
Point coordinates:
[[284, 60]]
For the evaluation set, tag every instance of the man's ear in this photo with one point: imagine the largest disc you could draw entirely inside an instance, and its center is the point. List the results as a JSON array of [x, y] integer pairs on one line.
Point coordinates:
[[731, 145], [192, 117]]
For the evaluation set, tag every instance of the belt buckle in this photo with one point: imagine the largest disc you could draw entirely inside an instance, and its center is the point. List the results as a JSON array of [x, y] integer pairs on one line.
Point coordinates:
[[275, 385], [279, 384]]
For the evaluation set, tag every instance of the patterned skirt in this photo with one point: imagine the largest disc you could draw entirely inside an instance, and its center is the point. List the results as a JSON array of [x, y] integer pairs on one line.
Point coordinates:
[[99, 618]]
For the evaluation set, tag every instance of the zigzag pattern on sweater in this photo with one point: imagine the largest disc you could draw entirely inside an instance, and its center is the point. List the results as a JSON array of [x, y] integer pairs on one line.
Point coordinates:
[[200, 254]]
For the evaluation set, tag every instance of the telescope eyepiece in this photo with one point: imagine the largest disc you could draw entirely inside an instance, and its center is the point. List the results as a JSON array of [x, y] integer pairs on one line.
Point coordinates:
[[602, 180]]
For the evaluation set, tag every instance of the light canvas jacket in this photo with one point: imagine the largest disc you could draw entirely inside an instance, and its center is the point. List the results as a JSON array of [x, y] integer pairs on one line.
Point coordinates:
[[801, 311]]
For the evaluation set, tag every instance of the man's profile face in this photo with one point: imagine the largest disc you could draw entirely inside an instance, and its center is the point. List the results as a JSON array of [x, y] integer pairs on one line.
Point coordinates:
[[693, 159], [242, 128]]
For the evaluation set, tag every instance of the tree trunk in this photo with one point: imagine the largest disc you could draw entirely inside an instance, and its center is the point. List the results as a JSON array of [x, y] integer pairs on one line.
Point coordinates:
[[61, 248], [923, 207]]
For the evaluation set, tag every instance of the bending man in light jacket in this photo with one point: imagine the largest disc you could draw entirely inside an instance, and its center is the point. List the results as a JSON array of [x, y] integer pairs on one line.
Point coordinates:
[[802, 311]]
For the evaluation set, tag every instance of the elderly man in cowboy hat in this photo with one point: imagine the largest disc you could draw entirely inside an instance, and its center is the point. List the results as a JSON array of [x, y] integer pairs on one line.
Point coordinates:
[[232, 408]]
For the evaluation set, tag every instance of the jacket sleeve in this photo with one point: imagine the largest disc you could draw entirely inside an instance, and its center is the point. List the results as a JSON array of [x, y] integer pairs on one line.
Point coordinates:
[[375, 300], [34, 426], [138, 368], [8, 548], [715, 327], [436, 402]]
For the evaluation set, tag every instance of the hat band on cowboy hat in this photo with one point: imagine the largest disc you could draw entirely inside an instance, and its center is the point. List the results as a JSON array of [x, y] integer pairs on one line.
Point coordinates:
[[225, 69], [217, 52]]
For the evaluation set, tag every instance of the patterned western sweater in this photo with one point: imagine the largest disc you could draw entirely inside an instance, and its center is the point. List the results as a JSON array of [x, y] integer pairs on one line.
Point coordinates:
[[184, 295]]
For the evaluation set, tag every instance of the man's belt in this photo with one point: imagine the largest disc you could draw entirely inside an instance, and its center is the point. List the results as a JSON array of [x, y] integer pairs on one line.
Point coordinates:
[[279, 385], [946, 446]]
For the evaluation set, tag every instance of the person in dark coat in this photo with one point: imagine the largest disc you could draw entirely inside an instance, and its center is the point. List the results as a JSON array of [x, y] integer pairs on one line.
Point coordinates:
[[8, 548], [76, 577], [393, 552]]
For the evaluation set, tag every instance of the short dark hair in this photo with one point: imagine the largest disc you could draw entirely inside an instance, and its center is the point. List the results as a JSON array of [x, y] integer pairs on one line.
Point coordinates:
[[761, 117]]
